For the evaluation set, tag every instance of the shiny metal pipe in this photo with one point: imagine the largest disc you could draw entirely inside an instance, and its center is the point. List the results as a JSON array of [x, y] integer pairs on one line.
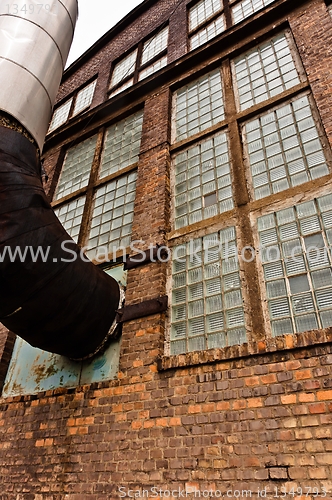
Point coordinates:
[[35, 38]]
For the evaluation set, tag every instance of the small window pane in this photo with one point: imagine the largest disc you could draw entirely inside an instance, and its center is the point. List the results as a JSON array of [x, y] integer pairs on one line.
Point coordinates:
[[84, 98], [211, 31], [209, 315], [265, 72], [155, 45], [122, 144], [60, 115], [202, 11], [124, 68], [70, 216], [76, 168], [125, 86], [156, 66], [246, 8], [198, 105]]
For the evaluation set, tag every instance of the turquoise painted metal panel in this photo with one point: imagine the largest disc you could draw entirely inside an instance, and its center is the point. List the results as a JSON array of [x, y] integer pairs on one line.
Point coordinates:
[[32, 370]]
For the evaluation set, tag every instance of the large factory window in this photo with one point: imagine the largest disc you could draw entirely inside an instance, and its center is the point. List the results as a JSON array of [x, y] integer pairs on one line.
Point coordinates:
[[284, 148], [32, 370], [76, 168], [202, 182], [198, 106], [147, 58], [234, 149], [95, 195], [207, 304], [296, 260]]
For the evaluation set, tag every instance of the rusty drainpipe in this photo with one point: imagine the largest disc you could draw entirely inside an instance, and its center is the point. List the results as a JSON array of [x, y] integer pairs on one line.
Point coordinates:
[[61, 303]]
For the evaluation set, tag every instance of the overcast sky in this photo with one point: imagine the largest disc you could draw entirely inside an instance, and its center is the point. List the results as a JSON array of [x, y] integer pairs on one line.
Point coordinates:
[[95, 18]]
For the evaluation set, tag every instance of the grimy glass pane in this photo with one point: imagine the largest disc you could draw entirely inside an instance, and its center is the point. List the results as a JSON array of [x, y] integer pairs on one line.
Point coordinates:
[[201, 11], [210, 31], [155, 45], [198, 105], [110, 228], [207, 304], [202, 181], [124, 68], [84, 98], [70, 216], [246, 8], [76, 167], [156, 66], [284, 149], [302, 299], [60, 115], [122, 144], [265, 72]]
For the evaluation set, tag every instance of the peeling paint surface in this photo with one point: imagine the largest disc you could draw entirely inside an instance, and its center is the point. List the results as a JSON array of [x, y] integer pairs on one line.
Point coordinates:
[[32, 370]]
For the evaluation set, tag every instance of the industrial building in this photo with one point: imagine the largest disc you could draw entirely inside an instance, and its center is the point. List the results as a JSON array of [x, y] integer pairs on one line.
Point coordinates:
[[189, 156]]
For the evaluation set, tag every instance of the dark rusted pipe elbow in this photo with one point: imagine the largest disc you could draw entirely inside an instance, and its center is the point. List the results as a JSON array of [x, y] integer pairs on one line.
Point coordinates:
[[60, 303]]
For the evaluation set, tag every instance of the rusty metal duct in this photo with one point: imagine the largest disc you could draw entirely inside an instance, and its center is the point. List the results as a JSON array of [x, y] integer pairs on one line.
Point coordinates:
[[55, 300]]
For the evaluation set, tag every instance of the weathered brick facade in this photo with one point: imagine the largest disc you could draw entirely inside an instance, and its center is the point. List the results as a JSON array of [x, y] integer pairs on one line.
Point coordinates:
[[255, 416]]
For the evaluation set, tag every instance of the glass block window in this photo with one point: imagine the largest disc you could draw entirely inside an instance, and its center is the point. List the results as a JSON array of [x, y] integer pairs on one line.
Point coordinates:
[[122, 144], [202, 11], [112, 215], [70, 216], [124, 68], [265, 72], [297, 263], [84, 98], [246, 8], [161, 63], [155, 45], [76, 168], [60, 115], [284, 148], [210, 31], [198, 105], [202, 181], [207, 304]]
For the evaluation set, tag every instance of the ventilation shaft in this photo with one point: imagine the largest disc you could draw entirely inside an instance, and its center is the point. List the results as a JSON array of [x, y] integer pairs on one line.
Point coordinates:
[[50, 294]]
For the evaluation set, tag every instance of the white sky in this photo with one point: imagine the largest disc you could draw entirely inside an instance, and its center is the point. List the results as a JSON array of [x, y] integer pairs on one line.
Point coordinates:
[[95, 18]]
